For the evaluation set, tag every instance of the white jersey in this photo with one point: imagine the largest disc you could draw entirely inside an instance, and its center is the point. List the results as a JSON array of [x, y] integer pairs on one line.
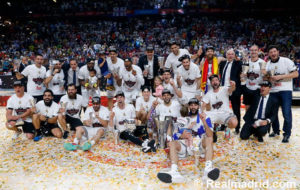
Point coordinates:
[[115, 68], [84, 73], [254, 76], [122, 114], [36, 76], [103, 113], [172, 59], [219, 101], [57, 82], [129, 81], [47, 111], [73, 105], [189, 78], [140, 102], [282, 67], [172, 110], [20, 105]]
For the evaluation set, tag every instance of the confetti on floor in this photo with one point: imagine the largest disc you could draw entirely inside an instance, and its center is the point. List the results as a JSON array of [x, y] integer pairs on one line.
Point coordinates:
[[46, 165]]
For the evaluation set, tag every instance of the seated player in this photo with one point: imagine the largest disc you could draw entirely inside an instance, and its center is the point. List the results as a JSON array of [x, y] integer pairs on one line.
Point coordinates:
[[45, 118]]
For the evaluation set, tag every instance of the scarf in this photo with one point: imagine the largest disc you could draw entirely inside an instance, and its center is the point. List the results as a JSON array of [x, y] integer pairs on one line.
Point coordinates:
[[204, 76]]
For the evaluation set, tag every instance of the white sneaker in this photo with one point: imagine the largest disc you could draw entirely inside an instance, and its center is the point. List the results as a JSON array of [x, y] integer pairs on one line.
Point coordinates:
[[211, 173], [172, 176], [16, 135]]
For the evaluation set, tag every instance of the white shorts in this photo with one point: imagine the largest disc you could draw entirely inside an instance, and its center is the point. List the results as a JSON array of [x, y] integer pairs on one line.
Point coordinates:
[[220, 117], [90, 132]]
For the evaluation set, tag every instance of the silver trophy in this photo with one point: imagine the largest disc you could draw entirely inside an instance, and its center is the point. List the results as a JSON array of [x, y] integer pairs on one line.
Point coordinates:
[[272, 72], [262, 65], [16, 65], [147, 68], [92, 116], [163, 128], [116, 133], [63, 106], [161, 61]]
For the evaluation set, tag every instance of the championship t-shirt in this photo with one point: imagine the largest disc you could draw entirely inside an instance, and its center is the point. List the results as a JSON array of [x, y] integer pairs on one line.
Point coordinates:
[[254, 76], [47, 111], [73, 106], [36, 76], [20, 105], [172, 110], [57, 82], [188, 77], [122, 114], [219, 101], [172, 59], [103, 113]]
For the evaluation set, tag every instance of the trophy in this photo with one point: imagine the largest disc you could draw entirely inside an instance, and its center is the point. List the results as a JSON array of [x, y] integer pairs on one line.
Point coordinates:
[[32, 103], [147, 68], [161, 61], [92, 115], [164, 128], [16, 65], [262, 65], [245, 69], [63, 106], [116, 133]]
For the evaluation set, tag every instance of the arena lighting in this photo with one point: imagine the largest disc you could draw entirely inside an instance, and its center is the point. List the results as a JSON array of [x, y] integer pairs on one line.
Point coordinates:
[[54, 1], [8, 3], [30, 12]]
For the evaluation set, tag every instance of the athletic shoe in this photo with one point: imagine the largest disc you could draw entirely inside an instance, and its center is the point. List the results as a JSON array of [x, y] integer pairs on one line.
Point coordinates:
[[37, 138], [86, 146], [211, 173], [145, 147], [151, 144], [173, 176], [273, 134], [16, 135], [70, 146], [227, 133]]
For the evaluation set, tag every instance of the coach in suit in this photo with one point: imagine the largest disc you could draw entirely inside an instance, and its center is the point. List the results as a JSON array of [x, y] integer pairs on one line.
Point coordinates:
[[149, 65], [261, 114], [230, 70]]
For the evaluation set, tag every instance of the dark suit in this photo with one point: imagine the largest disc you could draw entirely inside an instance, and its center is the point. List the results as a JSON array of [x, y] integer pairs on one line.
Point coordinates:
[[235, 98], [270, 113], [24, 79], [144, 61]]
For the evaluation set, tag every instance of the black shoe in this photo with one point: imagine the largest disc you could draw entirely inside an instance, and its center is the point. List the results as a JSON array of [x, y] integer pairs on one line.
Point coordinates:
[[66, 134], [273, 134], [237, 131], [152, 145], [285, 139], [215, 137], [260, 139]]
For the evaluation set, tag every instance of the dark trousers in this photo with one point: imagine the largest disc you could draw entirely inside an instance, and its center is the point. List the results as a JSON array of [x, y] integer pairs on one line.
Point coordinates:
[[150, 83], [235, 99], [78, 88], [57, 98], [284, 99], [126, 135], [249, 130]]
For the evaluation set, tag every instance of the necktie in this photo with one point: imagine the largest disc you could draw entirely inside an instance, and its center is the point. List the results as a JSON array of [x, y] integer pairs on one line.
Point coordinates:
[[74, 77], [224, 74], [259, 115]]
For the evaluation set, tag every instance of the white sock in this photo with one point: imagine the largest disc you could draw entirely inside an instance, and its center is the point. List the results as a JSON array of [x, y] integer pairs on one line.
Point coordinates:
[[174, 167], [76, 141], [92, 142]]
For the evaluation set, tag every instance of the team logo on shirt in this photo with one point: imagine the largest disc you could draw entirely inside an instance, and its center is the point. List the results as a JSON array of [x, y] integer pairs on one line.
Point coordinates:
[[97, 125], [38, 81], [189, 81], [252, 75], [217, 105], [122, 122], [20, 111], [72, 111], [130, 83]]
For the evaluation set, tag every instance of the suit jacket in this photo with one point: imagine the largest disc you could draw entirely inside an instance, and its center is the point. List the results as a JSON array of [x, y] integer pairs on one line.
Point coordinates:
[[270, 112], [235, 72], [144, 61]]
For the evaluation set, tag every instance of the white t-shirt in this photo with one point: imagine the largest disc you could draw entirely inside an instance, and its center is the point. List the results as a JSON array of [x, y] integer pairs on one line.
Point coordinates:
[[172, 110], [188, 77], [219, 101], [84, 73], [282, 67], [172, 59], [73, 105], [254, 76], [122, 114], [129, 81], [36, 76], [47, 111], [57, 82], [170, 87], [103, 114], [20, 105], [140, 102], [117, 67]]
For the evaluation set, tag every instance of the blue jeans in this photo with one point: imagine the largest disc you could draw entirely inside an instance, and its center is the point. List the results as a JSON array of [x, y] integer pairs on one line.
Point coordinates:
[[284, 99]]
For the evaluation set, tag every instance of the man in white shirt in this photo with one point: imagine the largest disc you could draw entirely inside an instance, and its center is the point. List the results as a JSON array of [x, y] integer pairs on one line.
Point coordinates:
[[172, 59], [282, 70], [131, 79], [96, 121], [45, 117], [202, 128], [71, 105], [188, 77], [18, 112], [36, 75], [122, 113], [115, 65], [55, 80], [218, 98], [143, 105], [171, 84], [83, 76]]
